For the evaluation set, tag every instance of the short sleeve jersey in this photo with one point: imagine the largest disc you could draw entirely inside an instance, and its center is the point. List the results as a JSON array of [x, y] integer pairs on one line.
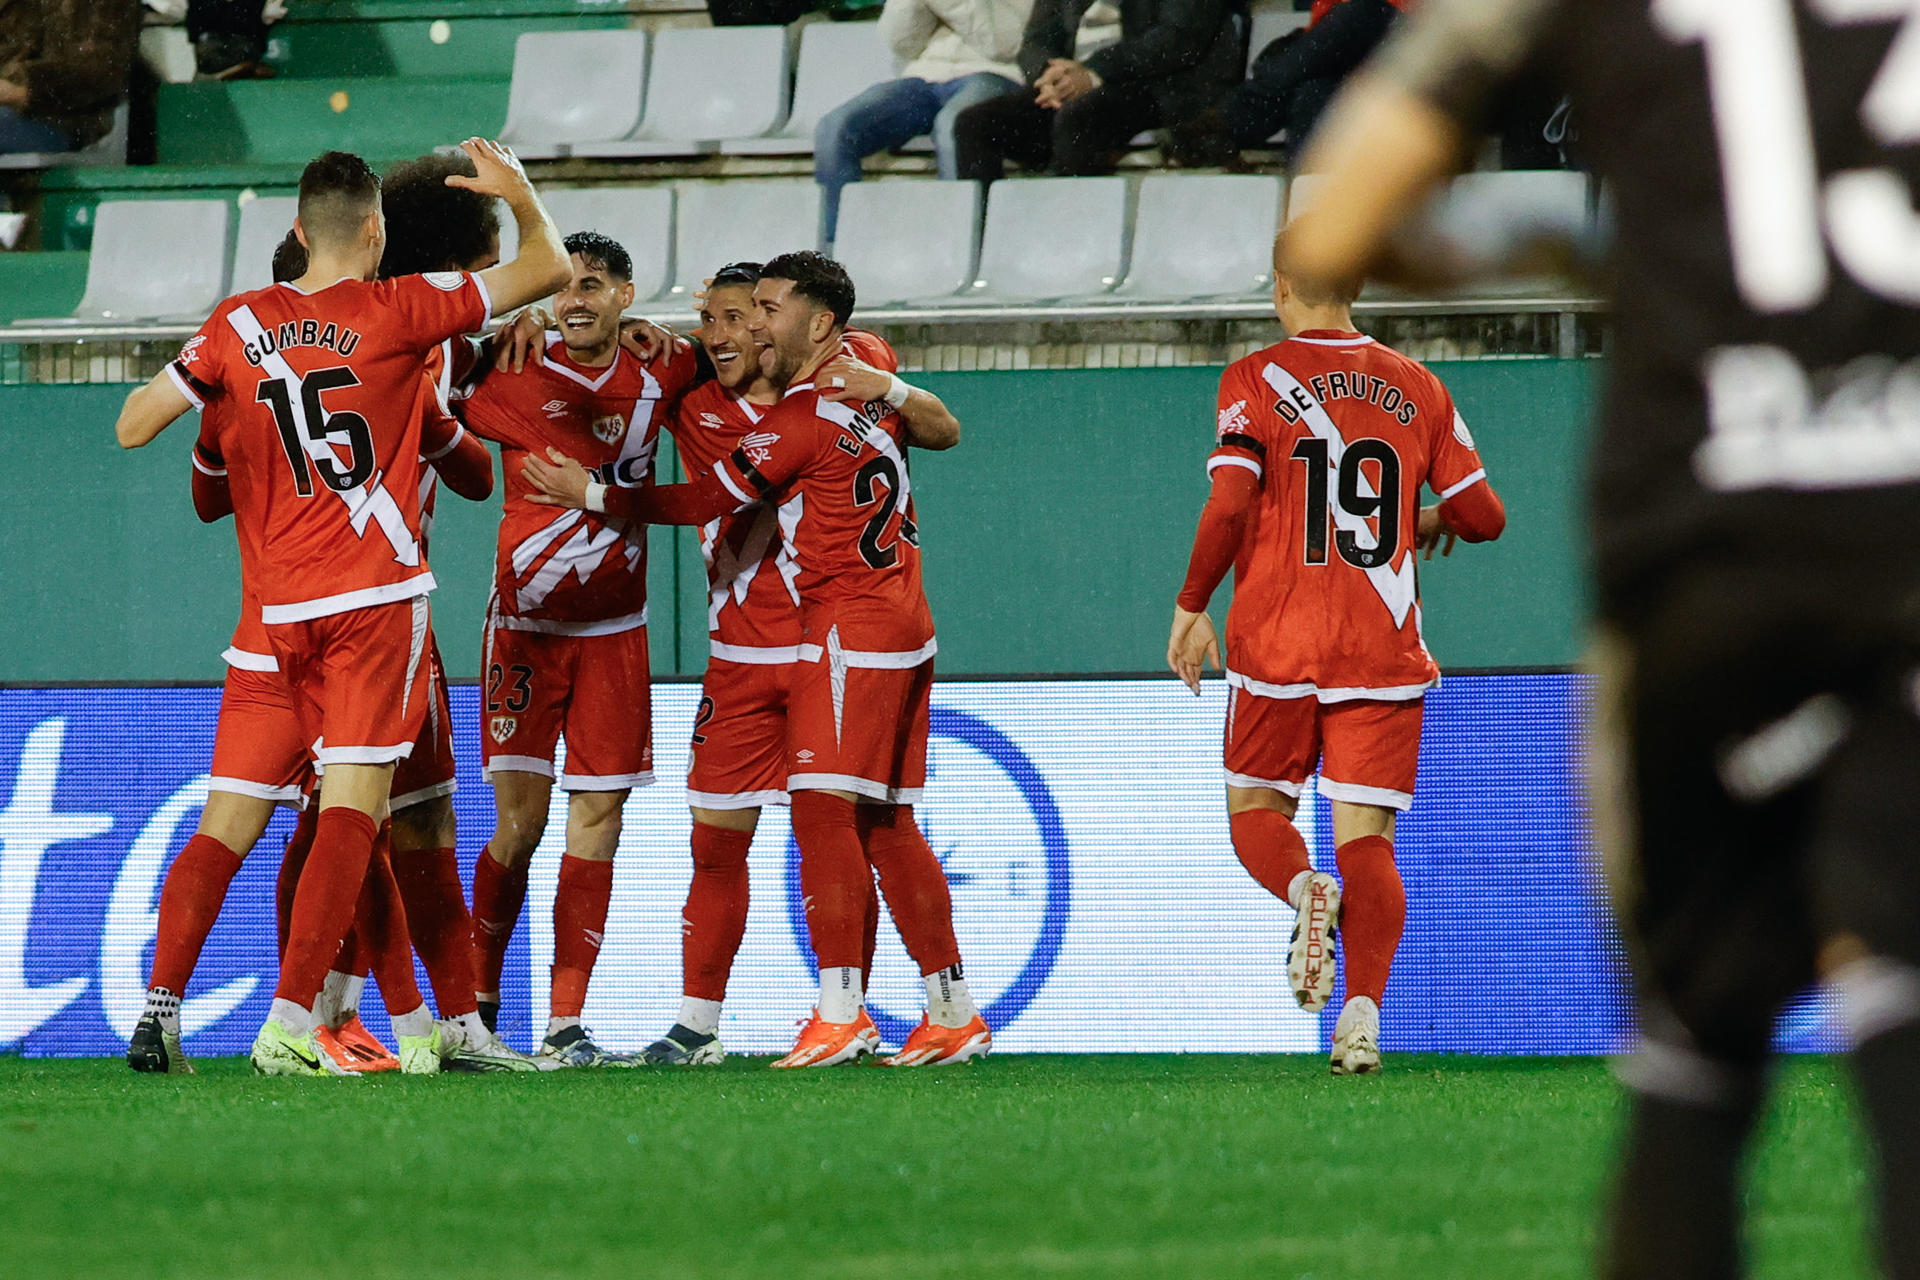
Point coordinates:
[[838, 473], [323, 398], [1342, 433], [753, 592], [565, 571]]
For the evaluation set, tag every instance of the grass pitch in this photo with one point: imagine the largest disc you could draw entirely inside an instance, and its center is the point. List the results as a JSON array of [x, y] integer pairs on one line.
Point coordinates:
[[1161, 1166]]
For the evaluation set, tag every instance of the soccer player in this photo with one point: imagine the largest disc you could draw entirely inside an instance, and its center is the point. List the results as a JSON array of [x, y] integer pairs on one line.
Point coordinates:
[[1754, 490], [566, 643], [1324, 441], [857, 712], [324, 377], [738, 761]]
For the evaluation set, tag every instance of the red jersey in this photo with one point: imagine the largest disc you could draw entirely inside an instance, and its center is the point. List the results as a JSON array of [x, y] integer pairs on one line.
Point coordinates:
[[838, 473], [324, 398], [562, 571], [753, 592], [1342, 433]]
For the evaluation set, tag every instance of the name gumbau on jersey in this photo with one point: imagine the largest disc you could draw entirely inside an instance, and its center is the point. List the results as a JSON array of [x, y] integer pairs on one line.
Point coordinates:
[[301, 333], [1337, 385]]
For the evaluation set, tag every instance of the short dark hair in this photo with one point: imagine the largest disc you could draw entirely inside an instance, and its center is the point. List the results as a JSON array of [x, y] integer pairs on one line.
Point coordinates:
[[601, 252], [337, 191], [289, 259], [737, 273], [818, 279], [432, 226]]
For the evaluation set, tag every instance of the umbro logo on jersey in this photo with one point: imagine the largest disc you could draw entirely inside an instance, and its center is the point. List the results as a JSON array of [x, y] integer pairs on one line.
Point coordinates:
[[804, 757], [555, 408], [1233, 418], [713, 421], [502, 727], [607, 430]]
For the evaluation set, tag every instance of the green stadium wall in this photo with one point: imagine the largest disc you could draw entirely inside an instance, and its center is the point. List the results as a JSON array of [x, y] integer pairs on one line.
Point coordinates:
[[1055, 536]]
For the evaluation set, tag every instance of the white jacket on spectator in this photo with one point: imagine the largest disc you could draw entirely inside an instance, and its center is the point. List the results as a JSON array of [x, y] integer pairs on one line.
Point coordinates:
[[941, 40]]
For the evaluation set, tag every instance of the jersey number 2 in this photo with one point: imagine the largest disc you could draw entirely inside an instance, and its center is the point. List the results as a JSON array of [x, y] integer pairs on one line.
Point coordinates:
[[1356, 505], [322, 431]]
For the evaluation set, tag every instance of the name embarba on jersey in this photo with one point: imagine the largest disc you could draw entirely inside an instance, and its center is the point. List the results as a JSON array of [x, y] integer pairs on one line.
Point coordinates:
[[838, 474], [566, 571], [322, 398], [1342, 432]]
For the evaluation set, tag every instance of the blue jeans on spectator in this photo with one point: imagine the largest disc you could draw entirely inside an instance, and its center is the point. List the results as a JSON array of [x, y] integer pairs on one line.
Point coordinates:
[[888, 115], [18, 133]]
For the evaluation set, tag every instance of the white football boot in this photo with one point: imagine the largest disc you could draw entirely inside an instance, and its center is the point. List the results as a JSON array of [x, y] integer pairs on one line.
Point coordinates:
[[1316, 923], [1356, 1038]]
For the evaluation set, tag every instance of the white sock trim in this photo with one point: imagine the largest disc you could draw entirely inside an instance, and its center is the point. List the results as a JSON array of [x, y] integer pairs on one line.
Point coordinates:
[[700, 1015], [841, 994]]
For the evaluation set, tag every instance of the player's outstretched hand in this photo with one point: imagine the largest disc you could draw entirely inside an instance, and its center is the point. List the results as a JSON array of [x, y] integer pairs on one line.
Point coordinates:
[[848, 379], [561, 483], [1432, 534], [649, 341], [1192, 645], [497, 171], [522, 340]]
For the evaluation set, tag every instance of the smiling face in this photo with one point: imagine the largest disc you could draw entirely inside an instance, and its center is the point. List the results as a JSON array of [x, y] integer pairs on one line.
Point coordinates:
[[588, 309], [788, 329], [726, 332]]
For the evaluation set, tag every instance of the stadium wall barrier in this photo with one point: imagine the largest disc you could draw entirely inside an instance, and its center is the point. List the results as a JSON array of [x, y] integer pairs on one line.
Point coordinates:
[[1056, 534], [1097, 897]]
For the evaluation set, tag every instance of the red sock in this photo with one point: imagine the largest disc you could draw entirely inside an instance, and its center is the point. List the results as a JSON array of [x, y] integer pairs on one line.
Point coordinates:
[[190, 901], [498, 894], [442, 930], [292, 859], [389, 948], [873, 926], [1270, 847], [579, 923], [1373, 913], [915, 884], [715, 917], [323, 904], [834, 878]]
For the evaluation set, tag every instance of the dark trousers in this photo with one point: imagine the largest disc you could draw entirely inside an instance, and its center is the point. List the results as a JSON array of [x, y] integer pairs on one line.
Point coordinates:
[[1293, 78], [1084, 137]]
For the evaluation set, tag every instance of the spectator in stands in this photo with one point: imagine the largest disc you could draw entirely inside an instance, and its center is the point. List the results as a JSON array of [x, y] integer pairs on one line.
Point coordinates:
[[1076, 116], [64, 67], [230, 37], [956, 53]]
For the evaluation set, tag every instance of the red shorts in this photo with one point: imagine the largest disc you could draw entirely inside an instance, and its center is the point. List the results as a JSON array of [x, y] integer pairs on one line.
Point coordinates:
[[258, 747], [1367, 751], [427, 774], [739, 756], [593, 690], [859, 728], [359, 679]]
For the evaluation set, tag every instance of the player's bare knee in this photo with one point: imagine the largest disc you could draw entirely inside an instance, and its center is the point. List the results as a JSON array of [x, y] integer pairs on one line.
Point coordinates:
[[728, 819], [1358, 821], [426, 825], [1243, 799], [236, 821], [594, 824]]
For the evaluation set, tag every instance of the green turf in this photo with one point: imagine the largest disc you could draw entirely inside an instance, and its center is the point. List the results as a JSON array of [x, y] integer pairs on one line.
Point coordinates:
[[1017, 1166]]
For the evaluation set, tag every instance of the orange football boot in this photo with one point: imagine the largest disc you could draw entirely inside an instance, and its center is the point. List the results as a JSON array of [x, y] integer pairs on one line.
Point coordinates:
[[827, 1044], [360, 1048], [931, 1046]]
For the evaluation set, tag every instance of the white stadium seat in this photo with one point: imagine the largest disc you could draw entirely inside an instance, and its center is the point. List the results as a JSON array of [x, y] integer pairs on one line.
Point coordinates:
[[1202, 236], [156, 260], [720, 222], [640, 218], [1270, 22], [264, 223], [908, 241], [837, 61], [706, 85], [572, 87], [1051, 238]]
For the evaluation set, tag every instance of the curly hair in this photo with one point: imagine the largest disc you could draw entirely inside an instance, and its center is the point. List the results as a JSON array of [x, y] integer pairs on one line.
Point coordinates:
[[432, 226]]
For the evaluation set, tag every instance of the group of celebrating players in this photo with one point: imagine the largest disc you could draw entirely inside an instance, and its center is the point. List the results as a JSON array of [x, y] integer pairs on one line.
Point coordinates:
[[334, 401]]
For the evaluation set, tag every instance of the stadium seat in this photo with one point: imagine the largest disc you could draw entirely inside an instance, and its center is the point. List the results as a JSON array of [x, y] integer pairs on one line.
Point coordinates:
[[707, 85], [1270, 22], [264, 222], [1049, 238], [837, 61], [1514, 204], [640, 218], [156, 260], [1202, 236], [572, 87], [907, 241], [720, 222], [110, 150]]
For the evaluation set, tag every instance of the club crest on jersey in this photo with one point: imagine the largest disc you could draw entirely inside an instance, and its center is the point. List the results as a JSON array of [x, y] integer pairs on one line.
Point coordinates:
[[1460, 431], [758, 446], [1233, 418], [502, 727], [193, 344], [555, 408], [446, 281], [610, 428]]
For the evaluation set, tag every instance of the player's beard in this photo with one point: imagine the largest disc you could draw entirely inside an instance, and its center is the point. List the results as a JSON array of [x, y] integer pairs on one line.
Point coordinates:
[[779, 365]]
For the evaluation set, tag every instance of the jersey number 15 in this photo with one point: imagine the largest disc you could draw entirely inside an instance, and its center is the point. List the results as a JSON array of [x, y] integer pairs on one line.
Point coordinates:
[[310, 434]]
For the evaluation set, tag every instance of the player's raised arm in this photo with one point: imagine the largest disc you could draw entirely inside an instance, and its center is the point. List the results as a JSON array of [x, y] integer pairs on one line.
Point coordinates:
[[560, 481], [149, 410], [542, 265], [930, 424]]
